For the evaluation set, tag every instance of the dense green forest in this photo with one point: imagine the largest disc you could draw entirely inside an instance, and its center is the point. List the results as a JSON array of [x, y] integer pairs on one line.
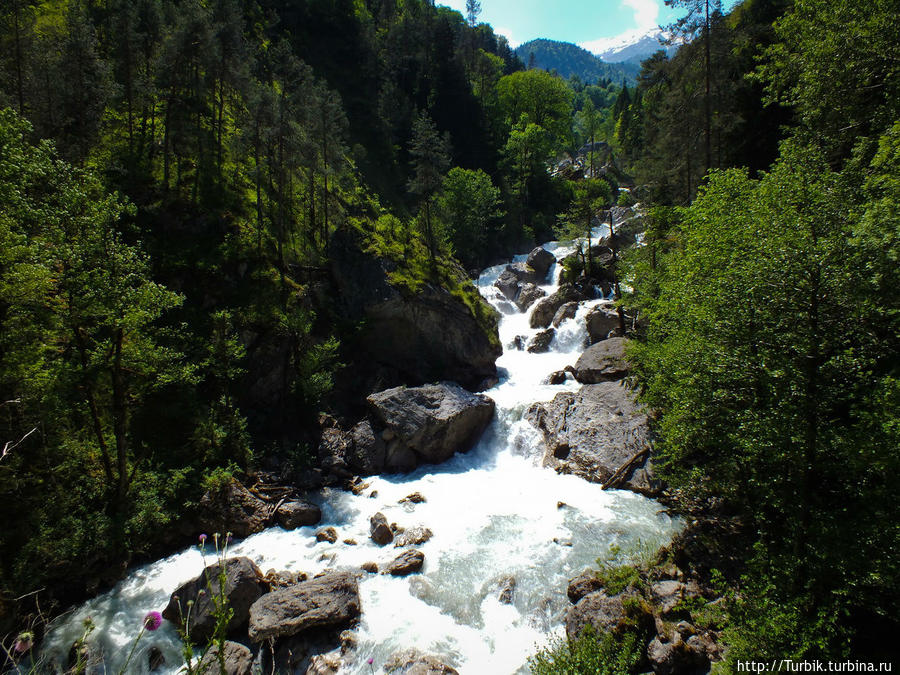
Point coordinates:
[[174, 175]]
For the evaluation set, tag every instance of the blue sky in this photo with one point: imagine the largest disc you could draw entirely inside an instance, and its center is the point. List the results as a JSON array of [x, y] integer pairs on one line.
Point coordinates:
[[594, 24]]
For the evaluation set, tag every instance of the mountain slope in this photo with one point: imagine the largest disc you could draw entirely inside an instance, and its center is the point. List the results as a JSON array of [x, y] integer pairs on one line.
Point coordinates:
[[635, 51], [568, 59]]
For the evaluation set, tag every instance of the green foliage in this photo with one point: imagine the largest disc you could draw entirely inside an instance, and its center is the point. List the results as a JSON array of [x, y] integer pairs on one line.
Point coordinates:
[[470, 207], [537, 98], [589, 654]]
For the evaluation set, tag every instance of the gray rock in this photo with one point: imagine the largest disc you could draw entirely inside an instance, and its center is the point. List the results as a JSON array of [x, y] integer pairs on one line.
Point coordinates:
[[506, 588], [368, 454], [528, 296], [540, 260], [430, 424], [544, 311], [508, 283], [427, 336], [406, 563], [524, 273], [666, 595], [557, 377], [238, 660], [233, 509], [602, 322], [379, 530], [414, 498], [292, 515], [329, 601], [582, 585], [369, 567], [243, 586], [414, 536], [602, 362], [607, 614], [567, 311], [412, 662], [593, 432], [540, 343]]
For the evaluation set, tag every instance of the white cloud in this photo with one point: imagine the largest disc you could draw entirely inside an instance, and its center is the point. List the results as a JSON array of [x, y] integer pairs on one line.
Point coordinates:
[[508, 34], [646, 18]]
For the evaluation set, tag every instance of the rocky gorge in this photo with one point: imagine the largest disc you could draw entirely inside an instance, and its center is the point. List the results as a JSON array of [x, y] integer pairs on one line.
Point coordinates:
[[447, 527]]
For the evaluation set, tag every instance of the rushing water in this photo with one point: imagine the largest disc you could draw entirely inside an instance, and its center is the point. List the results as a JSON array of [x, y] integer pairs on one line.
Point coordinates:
[[494, 513]]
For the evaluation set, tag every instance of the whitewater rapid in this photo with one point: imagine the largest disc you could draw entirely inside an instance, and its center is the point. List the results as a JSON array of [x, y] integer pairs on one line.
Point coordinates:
[[495, 513]]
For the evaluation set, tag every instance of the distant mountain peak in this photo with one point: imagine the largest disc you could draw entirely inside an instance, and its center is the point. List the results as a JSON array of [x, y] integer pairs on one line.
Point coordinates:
[[569, 59], [631, 47]]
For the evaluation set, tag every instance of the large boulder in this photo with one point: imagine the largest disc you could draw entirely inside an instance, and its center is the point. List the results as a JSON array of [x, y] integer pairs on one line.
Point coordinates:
[[677, 657], [544, 311], [524, 272], [602, 362], [233, 508], [429, 424], [238, 660], [540, 260], [414, 536], [329, 601], [607, 614], [243, 587], [594, 432], [412, 662], [528, 296], [602, 321], [567, 311], [508, 283], [419, 337], [582, 585], [292, 515]]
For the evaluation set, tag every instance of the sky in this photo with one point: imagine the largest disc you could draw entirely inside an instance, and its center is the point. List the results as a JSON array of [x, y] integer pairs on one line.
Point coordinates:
[[596, 25]]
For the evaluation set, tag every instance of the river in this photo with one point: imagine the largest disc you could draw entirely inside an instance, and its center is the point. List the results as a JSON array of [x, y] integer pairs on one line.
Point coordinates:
[[494, 513]]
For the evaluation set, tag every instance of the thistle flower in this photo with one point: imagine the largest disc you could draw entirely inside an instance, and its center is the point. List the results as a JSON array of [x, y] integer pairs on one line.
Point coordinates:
[[202, 539], [370, 661], [153, 620], [24, 642]]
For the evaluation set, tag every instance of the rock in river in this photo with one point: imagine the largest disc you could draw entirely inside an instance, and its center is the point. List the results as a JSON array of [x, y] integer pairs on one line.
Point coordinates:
[[428, 424], [595, 431], [328, 601], [602, 362]]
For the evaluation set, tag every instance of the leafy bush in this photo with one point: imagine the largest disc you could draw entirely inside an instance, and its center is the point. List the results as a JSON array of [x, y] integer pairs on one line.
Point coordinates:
[[589, 654]]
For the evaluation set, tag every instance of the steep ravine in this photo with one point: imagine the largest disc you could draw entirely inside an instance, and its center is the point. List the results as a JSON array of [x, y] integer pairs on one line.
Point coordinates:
[[500, 521]]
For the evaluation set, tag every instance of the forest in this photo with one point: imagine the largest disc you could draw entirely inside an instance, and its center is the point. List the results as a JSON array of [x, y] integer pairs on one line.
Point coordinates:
[[178, 179]]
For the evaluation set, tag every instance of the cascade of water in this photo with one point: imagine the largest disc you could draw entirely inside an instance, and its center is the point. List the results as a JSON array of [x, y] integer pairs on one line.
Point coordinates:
[[494, 513]]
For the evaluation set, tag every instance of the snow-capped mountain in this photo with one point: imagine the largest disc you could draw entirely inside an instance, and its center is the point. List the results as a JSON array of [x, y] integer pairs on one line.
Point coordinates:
[[630, 48]]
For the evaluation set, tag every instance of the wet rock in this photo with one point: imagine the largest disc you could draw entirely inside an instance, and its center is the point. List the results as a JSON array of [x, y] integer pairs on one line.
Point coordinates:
[[368, 453], [544, 311], [233, 509], [602, 362], [606, 614], [369, 567], [414, 498], [292, 515], [595, 431], [350, 542], [408, 562], [582, 585], [324, 664], [540, 260], [331, 601], [508, 284], [524, 273], [518, 342], [327, 534], [602, 322], [349, 641], [567, 311], [414, 536], [558, 377], [379, 531], [430, 423], [528, 296], [238, 660], [155, 659], [335, 446], [243, 586], [506, 589], [412, 662], [540, 343]]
